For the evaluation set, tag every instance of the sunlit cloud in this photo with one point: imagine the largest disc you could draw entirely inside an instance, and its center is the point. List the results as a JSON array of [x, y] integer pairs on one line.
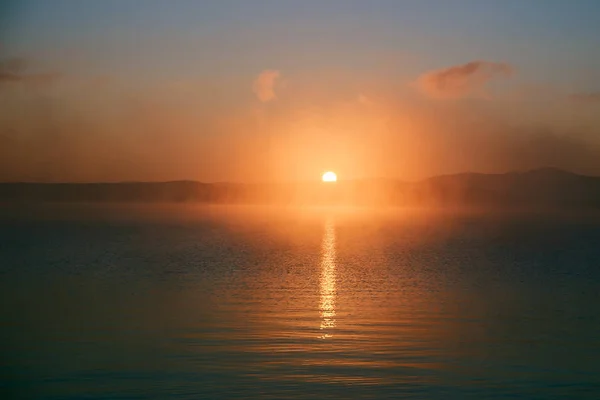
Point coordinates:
[[264, 85], [463, 80], [365, 100]]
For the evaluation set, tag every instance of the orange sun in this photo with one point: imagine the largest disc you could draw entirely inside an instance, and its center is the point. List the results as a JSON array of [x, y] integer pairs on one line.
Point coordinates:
[[329, 176]]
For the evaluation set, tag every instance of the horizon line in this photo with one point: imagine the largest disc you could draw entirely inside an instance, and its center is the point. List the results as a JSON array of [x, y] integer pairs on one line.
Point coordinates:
[[524, 171]]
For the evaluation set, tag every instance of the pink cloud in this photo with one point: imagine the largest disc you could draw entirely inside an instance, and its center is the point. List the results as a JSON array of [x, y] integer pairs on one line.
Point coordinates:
[[264, 85], [462, 80]]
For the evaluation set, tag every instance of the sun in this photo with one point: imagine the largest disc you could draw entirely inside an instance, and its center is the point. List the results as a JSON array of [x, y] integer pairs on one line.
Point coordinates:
[[329, 176]]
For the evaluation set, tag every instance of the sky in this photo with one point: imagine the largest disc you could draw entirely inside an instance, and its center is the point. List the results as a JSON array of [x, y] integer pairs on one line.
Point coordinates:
[[125, 90]]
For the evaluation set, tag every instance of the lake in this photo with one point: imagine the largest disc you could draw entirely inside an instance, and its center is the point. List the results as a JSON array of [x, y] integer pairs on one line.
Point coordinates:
[[185, 301]]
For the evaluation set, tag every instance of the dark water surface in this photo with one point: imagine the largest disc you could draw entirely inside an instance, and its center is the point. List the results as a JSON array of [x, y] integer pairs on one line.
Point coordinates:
[[111, 302]]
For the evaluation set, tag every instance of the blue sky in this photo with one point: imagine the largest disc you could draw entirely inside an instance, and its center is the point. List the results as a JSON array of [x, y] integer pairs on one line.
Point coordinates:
[[547, 40]]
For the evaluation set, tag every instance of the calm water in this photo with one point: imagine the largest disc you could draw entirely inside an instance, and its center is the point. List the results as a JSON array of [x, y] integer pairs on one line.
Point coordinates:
[[195, 302]]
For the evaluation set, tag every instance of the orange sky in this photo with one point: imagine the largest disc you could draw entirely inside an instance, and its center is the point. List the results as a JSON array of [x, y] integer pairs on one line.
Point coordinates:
[[292, 127], [285, 127]]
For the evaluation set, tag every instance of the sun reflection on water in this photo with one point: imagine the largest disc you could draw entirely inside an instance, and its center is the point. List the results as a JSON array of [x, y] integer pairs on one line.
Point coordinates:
[[327, 283]]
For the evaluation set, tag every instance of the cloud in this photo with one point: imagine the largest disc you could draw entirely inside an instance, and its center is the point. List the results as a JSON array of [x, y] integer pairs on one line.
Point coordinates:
[[264, 85], [365, 100], [462, 80], [13, 65], [12, 70], [586, 98], [36, 79]]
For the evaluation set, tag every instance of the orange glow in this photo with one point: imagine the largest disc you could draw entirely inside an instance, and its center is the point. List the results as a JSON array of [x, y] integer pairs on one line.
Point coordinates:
[[328, 277], [329, 177]]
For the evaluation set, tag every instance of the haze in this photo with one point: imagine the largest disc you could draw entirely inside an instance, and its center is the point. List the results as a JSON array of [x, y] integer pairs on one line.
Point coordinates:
[[282, 91]]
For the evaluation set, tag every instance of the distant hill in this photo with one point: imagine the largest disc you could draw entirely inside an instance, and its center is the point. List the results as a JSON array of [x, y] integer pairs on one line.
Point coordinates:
[[545, 187]]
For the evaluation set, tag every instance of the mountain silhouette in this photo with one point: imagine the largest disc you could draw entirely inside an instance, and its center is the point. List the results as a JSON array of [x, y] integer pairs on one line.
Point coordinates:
[[544, 187]]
